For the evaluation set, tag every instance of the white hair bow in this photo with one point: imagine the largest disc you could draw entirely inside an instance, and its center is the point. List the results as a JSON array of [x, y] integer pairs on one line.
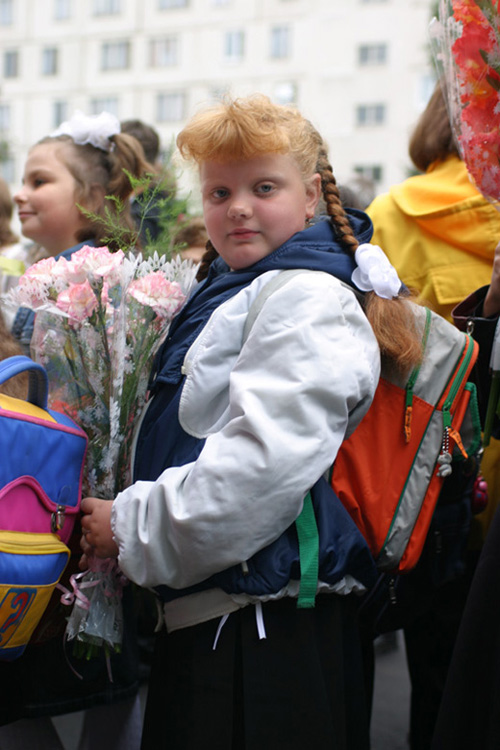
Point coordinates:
[[375, 272], [93, 129]]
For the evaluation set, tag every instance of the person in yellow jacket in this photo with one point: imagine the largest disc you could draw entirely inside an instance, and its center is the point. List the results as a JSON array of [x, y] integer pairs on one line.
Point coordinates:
[[436, 228], [440, 234]]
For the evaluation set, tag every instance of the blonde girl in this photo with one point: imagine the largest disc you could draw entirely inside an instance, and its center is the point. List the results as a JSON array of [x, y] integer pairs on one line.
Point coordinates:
[[241, 428]]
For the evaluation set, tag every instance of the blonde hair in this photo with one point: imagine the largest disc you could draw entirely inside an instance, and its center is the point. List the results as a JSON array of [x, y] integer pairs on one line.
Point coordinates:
[[91, 166], [245, 128]]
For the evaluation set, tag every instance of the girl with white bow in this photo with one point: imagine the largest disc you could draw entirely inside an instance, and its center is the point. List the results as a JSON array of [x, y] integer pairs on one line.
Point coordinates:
[[241, 426], [67, 174]]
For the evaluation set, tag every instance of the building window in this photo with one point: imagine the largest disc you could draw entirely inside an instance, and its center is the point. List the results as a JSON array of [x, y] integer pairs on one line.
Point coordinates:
[[115, 55], [107, 7], [371, 172], [234, 45], [285, 93], [171, 107], [49, 61], [164, 52], [60, 113], [6, 12], [372, 54], [165, 4], [11, 64], [104, 104], [370, 114], [4, 118], [280, 42], [62, 10]]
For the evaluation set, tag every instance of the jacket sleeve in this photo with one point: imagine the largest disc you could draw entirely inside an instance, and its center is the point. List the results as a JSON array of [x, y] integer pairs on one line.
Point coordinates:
[[306, 373]]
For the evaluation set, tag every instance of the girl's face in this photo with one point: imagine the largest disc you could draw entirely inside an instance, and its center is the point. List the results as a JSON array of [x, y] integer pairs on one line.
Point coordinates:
[[47, 201], [252, 207]]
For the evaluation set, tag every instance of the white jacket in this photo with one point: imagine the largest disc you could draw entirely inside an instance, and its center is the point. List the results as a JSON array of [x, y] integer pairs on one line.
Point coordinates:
[[273, 412]]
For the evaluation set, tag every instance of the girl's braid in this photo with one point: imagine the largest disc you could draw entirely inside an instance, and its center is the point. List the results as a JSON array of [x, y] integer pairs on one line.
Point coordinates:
[[333, 203], [209, 256]]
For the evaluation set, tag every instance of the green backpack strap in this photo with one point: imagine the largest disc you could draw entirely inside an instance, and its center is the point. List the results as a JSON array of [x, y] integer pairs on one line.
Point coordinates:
[[307, 532]]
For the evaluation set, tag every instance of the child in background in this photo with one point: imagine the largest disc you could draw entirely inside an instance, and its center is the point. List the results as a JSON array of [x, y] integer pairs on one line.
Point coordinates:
[[239, 428], [79, 165]]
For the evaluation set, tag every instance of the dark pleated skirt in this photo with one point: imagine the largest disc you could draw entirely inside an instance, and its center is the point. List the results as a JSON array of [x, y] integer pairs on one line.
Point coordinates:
[[300, 687]]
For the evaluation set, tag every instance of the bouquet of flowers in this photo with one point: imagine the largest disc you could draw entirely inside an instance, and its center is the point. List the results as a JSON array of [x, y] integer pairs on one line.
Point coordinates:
[[466, 39], [100, 319]]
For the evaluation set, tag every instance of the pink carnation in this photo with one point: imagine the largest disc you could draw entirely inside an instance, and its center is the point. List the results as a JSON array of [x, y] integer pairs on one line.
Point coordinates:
[[154, 290], [78, 301], [35, 283], [98, 261]]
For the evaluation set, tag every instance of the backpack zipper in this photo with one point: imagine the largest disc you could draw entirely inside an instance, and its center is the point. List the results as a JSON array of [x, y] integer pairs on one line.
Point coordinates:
[[451, 392]]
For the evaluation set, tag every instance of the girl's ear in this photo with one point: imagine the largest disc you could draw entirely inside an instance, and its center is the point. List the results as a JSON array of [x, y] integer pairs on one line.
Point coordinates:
[[313, 194]]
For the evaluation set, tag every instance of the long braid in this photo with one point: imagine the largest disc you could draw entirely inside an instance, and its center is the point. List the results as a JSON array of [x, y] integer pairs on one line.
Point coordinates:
[[209, 256], [399, 342], [334, 207]]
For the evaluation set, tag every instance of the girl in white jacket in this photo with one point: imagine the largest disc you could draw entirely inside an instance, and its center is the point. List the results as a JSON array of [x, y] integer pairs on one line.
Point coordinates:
[[242, 423]]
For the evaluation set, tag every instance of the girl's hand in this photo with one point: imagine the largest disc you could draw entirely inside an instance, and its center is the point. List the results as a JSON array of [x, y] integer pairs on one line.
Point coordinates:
[[491, 304], [97, 537]]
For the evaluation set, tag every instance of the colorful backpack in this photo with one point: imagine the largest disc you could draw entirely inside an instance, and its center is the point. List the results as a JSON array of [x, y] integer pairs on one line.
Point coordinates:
[[43, 453], [388, 474], [390, 471]]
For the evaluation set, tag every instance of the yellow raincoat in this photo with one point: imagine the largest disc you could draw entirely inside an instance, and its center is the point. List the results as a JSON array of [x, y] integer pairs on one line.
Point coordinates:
[[439, 233]]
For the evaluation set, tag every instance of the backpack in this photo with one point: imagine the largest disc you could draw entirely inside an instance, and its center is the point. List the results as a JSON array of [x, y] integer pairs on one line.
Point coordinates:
[[389, 472], [43, 453]]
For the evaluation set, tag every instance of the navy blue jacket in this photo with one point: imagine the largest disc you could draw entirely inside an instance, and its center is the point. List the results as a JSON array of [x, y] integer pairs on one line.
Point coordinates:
[[162, 443]]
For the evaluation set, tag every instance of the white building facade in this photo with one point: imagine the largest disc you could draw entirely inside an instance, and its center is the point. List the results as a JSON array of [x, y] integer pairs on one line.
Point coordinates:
[[361, 70]]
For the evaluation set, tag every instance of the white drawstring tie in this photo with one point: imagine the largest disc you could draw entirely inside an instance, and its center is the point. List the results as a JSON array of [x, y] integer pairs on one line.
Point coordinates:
[[259, 619]]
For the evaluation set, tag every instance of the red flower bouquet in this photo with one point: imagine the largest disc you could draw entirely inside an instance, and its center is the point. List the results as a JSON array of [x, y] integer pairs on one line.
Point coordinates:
[[467, 42]]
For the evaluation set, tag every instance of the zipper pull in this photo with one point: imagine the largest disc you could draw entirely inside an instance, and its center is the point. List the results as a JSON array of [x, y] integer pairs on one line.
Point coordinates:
[[408, 411], [445, 458], [457, 438], [57, 519]]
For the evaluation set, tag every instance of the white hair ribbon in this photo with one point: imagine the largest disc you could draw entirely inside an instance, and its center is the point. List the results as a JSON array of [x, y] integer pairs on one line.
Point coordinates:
[[93, 129], [375, 272]]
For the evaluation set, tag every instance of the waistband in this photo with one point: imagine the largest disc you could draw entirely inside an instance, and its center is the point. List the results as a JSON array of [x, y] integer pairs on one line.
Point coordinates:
[[200, 607]]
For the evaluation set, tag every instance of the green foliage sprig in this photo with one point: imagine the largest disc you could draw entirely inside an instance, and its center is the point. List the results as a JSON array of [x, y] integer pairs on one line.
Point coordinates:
[[157, 201]]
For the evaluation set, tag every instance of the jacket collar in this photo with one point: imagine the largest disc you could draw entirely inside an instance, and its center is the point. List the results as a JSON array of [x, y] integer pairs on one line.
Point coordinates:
[[315, 248]]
